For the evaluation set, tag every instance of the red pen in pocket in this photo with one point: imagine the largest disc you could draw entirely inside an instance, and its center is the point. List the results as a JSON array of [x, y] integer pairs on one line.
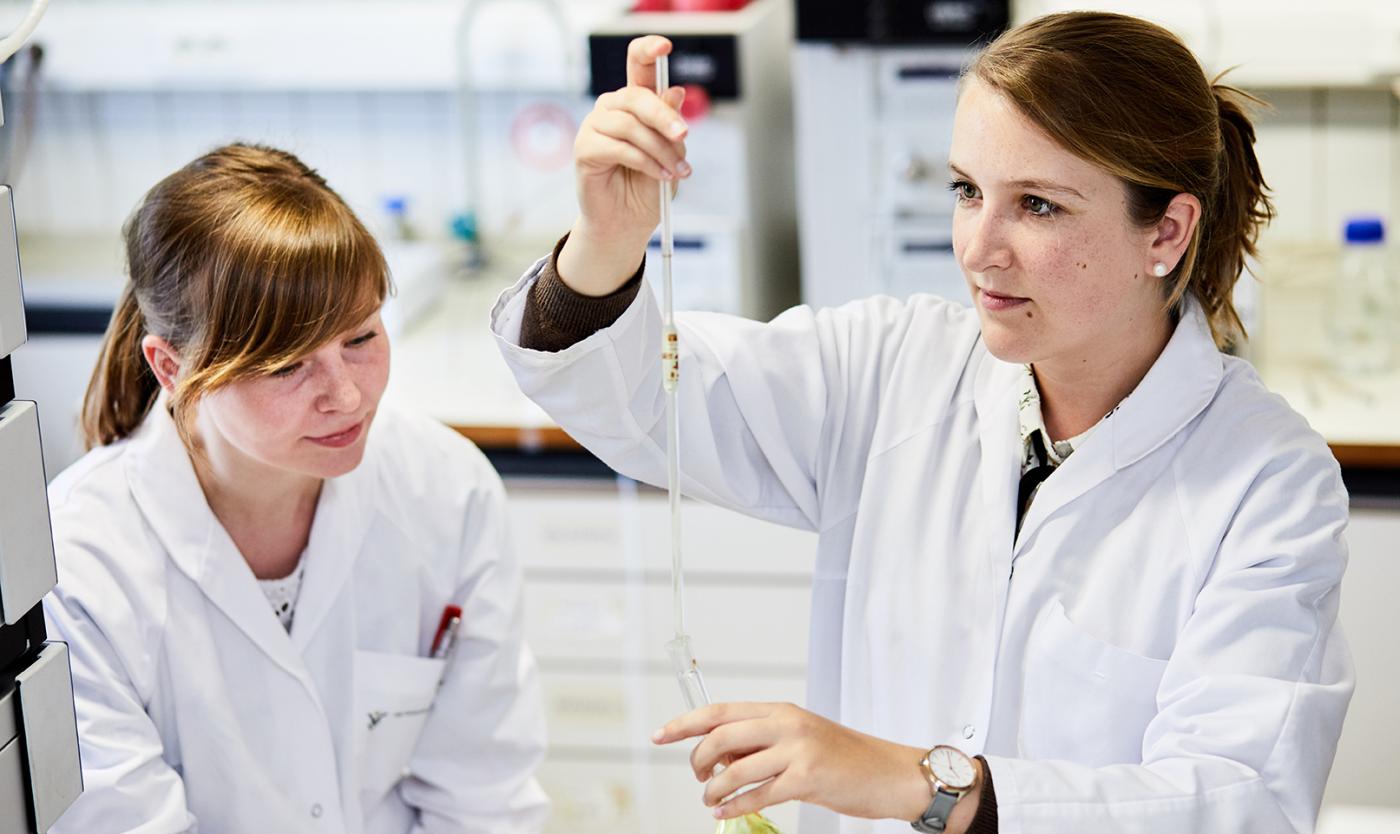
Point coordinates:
[[446, 631]]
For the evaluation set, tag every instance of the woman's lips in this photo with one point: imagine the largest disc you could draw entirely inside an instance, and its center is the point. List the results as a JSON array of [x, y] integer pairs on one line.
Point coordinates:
[[997, 302], [340, 439]]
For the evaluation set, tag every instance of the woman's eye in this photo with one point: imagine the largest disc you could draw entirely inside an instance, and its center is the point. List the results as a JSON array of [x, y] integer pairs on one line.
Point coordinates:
[[286, 371], [359, 340], [963, 189], [1039, 206]]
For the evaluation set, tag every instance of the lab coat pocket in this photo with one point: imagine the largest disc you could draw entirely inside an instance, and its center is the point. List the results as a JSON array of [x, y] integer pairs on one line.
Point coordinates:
[[1085, 700], [393, 696]]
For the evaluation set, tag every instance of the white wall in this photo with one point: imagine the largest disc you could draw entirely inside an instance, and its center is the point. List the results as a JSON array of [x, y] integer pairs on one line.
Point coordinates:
[[1328, 154], [91, 155], [86, 146]]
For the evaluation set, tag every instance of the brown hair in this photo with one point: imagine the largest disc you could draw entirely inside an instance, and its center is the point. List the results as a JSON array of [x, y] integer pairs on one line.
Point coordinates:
[[244, 261], [1129, 97]]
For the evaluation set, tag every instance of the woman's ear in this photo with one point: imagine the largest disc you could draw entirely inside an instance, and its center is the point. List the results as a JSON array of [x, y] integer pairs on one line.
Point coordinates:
[[163, 359], [1173, 232]]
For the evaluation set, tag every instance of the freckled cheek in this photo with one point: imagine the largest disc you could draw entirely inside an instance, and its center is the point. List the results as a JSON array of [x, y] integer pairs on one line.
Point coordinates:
[[372, 376], [280, 417], [1068, 272]]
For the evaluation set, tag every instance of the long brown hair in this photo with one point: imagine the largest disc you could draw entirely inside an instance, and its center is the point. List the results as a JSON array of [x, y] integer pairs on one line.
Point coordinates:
[[244, 261], [1129, 97]]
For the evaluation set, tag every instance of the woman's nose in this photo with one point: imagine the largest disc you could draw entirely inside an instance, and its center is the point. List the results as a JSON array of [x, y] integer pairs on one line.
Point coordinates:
[[342, 392], [984, 243]]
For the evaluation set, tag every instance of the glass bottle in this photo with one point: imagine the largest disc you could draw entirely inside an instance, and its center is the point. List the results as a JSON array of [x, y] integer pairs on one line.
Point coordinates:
[[1363, 308]]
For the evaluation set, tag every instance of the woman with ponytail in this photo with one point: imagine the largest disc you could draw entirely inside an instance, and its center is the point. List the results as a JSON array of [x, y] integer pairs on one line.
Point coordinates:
[[255, 557], [1077, 568]]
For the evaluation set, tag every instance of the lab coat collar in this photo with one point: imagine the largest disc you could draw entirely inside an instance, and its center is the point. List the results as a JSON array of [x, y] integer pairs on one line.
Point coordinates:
[[165, 487], [1177, 388]]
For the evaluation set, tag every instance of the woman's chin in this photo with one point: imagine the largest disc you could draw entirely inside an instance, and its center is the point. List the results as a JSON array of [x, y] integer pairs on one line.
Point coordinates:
[[1007, 343], [328, 463]]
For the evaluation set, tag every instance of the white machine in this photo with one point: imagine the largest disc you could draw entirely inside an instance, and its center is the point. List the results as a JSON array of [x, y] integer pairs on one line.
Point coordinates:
[[735, 219], [875, 87]]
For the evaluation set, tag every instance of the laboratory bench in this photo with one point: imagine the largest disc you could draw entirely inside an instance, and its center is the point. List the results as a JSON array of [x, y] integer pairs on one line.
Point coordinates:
[[445, 363]]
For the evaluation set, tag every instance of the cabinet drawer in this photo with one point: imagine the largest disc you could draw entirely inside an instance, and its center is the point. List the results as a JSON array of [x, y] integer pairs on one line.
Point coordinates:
[[615, 623], [617, 711], [12, 329], [632, 796], [625, 529], [39, 767], [14, 802], [27, 570]]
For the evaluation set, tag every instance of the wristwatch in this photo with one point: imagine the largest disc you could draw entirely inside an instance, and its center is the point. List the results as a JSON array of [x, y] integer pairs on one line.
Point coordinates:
[[950, 773]]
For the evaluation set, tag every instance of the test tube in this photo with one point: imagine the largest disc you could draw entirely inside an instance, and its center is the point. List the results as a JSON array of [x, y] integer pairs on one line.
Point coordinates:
[[687, 672]]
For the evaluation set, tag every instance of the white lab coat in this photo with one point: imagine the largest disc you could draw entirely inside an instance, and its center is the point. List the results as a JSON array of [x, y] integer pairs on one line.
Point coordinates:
[[1166, 657], [197, 710]]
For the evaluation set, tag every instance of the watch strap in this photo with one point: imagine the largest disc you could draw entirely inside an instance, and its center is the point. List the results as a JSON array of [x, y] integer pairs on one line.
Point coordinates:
[[935, 817]]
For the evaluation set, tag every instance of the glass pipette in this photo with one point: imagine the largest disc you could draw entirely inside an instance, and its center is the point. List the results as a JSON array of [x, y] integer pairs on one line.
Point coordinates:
[[679, 649]]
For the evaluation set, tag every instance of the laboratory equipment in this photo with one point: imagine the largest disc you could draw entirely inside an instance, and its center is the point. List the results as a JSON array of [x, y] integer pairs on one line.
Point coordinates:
[[875, 87], [679, 649], [40, 774], [1364, 303], [735, 248]]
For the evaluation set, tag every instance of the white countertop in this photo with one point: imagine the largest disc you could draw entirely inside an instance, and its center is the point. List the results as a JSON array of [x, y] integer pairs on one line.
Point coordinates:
[[1358, 819], [1348, 410], [445, 362]]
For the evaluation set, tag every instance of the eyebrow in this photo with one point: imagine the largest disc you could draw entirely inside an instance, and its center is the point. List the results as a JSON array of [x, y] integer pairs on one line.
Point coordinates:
[[1031, 185]]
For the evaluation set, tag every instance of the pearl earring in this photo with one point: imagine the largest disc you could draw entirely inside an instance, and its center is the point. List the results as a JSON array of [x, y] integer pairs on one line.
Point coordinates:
[[1160, 270]]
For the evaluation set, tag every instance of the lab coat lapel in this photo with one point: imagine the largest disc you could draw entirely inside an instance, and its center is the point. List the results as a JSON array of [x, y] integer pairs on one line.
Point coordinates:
[[1177, 388], [995, 399], [166, 489], [343, 517]]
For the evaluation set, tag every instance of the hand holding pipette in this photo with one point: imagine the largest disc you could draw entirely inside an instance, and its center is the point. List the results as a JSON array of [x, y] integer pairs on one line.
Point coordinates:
[[632, 139]]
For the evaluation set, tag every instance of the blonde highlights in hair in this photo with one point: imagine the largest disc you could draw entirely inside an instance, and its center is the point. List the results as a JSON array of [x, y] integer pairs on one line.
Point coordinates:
[[1128, 96], [243, 261]]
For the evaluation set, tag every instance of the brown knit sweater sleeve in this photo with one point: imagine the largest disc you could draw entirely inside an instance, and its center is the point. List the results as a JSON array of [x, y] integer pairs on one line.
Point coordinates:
[[985, 820], [557, 317]]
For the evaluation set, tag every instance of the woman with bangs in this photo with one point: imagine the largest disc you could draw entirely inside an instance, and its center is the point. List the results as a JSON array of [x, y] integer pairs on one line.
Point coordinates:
[[255, 558]]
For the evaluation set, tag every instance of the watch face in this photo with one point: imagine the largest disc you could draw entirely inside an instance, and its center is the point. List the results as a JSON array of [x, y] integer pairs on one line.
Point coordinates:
[[952, 767]]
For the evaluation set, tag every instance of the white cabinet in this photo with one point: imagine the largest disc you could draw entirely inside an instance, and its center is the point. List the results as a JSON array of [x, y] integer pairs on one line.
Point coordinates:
[[597, 615], [1369, 754]]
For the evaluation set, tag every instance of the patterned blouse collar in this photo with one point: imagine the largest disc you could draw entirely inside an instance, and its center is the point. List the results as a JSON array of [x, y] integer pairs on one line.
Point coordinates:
[[1032, 420]]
